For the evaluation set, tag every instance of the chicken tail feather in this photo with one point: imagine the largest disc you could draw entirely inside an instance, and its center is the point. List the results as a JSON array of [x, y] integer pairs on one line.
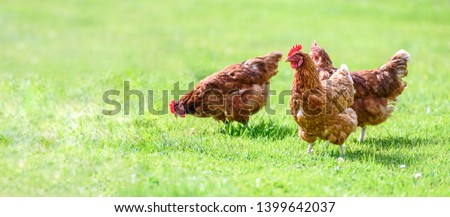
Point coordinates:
[[272, 60], [344, 69], [399, 62]]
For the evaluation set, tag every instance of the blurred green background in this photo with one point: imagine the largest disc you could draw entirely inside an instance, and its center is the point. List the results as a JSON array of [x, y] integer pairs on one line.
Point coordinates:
[[58, 58]]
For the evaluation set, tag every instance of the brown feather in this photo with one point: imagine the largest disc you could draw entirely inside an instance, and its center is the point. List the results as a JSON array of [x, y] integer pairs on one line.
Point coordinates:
[[376, 90], [321, 109], [233, 93]]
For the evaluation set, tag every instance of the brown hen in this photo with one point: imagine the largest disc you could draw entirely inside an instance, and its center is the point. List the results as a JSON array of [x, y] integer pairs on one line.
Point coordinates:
[[376, 90], [321, 109], [232, 94]]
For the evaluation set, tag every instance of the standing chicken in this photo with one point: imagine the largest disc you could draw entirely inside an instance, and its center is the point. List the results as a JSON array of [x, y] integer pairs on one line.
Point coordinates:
[[321, 109], [232, 94], [376, 90]]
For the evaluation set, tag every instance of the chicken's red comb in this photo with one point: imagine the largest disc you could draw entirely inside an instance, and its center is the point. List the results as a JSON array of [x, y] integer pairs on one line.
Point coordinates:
[[294, 49], [172, 107]]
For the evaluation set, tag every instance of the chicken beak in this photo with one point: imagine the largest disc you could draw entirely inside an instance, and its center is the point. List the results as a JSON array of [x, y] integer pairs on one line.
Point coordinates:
[[288, 59]]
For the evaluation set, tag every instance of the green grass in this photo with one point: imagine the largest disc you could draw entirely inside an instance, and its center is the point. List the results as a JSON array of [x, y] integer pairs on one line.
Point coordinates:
[[58, 57]]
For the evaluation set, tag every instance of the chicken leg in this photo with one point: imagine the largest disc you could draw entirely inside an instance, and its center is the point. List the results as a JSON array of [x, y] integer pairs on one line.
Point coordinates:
[[309, 150], [361, 137], [342, 150]]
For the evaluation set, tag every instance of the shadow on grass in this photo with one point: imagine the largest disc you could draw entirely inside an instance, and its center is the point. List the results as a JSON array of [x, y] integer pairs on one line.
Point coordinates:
[[388, 159], [400, 142], [392, 150], [266, 129]]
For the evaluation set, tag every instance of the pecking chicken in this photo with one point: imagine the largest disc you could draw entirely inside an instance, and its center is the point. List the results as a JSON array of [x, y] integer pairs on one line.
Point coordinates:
[[376, 90], [232, 94], [321, 108]]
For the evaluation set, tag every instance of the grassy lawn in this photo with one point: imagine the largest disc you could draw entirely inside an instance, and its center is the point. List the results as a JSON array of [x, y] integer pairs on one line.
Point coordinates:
[[58, 58]]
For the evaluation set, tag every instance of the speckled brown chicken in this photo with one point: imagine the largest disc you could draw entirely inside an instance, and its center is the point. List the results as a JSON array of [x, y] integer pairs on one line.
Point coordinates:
[[376, 90], [321, 109], [232, 94]]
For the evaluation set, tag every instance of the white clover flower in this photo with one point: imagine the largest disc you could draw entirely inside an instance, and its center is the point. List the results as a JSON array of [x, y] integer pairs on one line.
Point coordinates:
[[56, 175], [418, 175], [133, 178], [258, 181]]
